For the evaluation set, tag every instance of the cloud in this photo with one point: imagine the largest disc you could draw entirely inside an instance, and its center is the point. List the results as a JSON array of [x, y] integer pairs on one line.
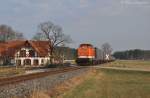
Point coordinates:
[[135, 2]]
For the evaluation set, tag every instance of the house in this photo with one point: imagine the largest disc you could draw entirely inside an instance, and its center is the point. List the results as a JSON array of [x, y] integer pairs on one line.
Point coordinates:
[[24, 52]]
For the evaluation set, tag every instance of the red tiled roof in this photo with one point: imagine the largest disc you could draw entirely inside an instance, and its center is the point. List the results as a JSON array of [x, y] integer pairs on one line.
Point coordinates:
[[14, 46], [11, 47], [3, 47], [41, 47]]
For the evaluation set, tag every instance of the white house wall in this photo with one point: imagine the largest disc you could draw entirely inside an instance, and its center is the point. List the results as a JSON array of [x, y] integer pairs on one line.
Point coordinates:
[[45, 59]]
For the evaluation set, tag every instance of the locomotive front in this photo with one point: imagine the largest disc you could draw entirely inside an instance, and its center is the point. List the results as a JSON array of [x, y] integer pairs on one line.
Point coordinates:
[[86, 54]]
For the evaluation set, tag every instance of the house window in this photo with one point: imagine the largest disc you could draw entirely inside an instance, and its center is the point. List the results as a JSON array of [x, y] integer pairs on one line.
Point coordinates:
[[42, 62], [36, 62], [17, 54], [23, 53], [31, 53], [27, 62], [18, 62]]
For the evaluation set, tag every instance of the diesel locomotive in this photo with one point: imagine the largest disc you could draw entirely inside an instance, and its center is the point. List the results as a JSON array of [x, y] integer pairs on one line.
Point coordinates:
[[87, 54]]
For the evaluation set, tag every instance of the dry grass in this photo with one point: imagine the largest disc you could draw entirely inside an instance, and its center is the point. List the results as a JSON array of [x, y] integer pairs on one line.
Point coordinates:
[[40, 95], [129, 64], [108, 83], [10, 71]]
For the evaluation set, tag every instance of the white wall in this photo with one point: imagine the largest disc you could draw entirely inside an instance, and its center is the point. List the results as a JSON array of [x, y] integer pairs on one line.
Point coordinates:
[[45, 59]]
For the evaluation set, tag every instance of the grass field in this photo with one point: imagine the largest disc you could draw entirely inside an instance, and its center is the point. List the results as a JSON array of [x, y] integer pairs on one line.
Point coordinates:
[[129, 64], [10, 71], [108, 83]]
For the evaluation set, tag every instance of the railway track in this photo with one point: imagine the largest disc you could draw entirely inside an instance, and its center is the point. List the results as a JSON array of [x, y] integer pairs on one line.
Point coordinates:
[[22, 78]]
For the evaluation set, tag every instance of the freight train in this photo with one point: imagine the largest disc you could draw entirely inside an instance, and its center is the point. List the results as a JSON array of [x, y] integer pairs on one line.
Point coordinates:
[[87, 54]]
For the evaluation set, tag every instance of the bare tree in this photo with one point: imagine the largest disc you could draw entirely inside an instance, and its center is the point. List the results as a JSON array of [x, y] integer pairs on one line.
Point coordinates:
[[39, 36], [106, 48], [19, 35], [54, 35], [7, 33]]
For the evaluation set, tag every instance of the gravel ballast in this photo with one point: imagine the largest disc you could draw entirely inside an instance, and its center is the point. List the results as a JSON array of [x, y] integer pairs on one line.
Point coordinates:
[[24, 89]]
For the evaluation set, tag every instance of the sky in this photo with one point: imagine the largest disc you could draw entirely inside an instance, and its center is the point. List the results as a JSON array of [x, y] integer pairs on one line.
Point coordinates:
[[124, 24]]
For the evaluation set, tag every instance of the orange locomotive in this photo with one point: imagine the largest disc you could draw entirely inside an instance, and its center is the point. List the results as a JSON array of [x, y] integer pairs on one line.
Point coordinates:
[[86, 51], [86, 54], [89, 55]]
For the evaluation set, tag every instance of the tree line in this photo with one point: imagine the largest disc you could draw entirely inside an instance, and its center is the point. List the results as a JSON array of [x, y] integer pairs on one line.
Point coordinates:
[[134, 54], [7, 33]]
